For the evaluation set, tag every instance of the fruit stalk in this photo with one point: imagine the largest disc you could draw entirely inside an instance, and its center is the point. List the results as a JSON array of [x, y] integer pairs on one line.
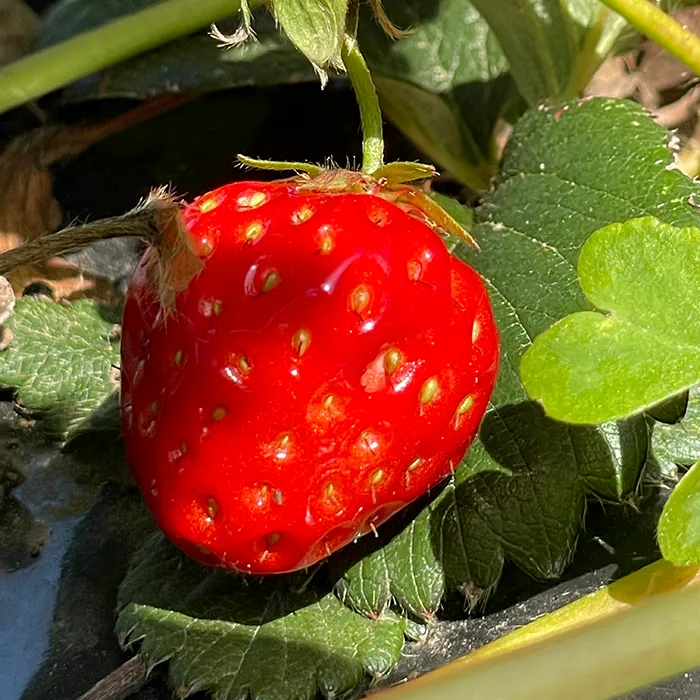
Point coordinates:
[[370, 113], [61, 64]]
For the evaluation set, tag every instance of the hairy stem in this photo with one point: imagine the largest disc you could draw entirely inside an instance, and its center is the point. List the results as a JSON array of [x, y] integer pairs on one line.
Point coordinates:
[[656, 25], [370, 114], [92, 51], [144, 222]]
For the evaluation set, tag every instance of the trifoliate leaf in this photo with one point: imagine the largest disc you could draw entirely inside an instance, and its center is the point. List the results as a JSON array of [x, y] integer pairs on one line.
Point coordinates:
[[61, 360], [239, 638], [644, 345], [679, 524]]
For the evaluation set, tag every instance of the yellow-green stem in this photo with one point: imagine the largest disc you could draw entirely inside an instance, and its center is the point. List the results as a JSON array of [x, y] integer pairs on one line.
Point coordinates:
[[656, 25], [640, 629], [370, 113], [92, 51], [590, 55]]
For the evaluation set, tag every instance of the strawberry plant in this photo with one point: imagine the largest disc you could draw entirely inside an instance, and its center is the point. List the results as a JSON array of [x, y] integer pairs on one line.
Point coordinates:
[[347, 415]]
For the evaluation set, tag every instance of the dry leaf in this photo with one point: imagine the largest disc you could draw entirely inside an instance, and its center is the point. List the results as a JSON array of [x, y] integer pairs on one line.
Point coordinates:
[[28, 208]]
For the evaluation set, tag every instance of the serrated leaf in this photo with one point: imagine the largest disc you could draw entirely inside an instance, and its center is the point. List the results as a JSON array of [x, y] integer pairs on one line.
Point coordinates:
[[104, 420], [520, 493], [238, 638], [679, 524], [61, 360], [592, 367], [315, 27], [444, 85], [195, 63], [680, 443]]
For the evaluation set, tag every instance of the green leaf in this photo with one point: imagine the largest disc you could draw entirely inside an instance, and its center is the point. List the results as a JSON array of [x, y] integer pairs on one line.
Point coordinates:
[[315, 27], [527, 505], [238, 638], [104, 421], [553, 46], [671, 410], [593, 367], [195, 63], [679, 525], [61, 360], [679, 444], [520, 492], [541, 53], [444, 85]]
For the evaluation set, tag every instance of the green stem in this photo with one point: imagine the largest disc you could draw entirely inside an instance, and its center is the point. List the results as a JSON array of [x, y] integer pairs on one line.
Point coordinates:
[[656, 25], [589, 56], [92, 51], [370, 114], [639, 630]]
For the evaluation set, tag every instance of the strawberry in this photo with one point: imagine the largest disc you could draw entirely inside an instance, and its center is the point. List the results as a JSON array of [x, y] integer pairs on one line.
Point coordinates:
[[329, 364]]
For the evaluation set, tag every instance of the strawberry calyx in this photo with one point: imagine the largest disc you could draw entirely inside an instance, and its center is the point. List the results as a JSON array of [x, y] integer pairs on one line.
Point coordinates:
[[391, 181]]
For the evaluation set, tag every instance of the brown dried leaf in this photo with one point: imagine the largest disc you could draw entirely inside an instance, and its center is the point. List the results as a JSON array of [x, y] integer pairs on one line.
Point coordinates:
[[27, 205], [28, 208]]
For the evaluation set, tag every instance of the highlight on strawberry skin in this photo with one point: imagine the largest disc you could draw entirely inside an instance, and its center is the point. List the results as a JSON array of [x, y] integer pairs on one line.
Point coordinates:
[[329, 364]]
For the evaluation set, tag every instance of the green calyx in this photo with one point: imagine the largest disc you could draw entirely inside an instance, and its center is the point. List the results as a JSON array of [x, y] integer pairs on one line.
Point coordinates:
[[396, 173], [391, 182], [280, 165]]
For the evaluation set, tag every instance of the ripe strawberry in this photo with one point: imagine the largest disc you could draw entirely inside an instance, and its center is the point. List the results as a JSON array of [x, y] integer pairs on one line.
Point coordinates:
[[330, 364]]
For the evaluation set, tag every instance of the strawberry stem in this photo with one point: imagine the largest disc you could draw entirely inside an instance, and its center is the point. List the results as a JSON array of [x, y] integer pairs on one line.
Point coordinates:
[[61, 64], [370, 113]]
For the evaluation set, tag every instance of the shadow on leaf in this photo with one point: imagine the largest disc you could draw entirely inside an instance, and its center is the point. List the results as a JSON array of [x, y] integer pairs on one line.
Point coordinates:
[[521, 492], [235, 635]]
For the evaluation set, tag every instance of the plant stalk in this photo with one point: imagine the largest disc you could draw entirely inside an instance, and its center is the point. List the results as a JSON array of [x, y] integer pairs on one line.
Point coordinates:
[[370, 113], [92, 51], [638, 630], [656, 25], [145, 222]]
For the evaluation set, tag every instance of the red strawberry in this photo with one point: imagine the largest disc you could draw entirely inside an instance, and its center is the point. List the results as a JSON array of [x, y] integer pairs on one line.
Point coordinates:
[[330, 364]]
